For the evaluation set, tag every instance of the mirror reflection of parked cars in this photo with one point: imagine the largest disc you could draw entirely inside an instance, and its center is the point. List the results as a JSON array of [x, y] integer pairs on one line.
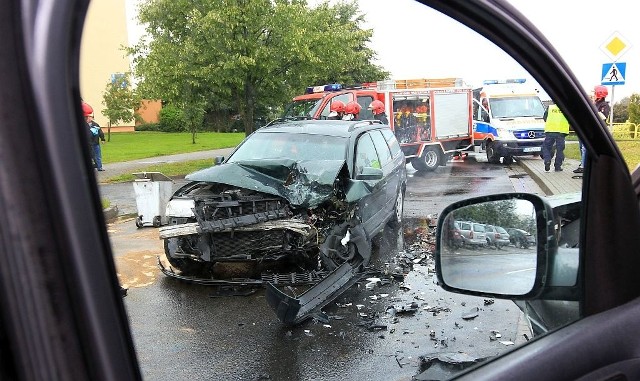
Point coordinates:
[[473, 234], [520, 238], [496, 236]]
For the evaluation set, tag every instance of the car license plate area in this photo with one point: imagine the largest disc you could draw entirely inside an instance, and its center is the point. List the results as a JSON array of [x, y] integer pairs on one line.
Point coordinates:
[[532, 149]]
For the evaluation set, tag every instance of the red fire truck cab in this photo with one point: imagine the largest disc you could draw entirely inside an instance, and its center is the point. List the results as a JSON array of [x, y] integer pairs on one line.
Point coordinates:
[[431, 123]]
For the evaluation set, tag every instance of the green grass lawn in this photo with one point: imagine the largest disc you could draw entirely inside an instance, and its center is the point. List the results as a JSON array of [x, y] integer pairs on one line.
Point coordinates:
[[125, 146], [630, 151]]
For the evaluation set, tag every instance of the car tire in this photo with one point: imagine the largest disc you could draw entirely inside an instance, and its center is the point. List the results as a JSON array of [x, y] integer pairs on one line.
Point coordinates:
[[429, 161], [492, 156], [507, 160], [139, 222], [398, 210], [157, 221]]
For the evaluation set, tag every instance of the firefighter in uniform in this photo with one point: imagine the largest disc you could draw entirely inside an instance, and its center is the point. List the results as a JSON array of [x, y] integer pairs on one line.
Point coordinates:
[[556, 129], [600, 93], [336, 110], [377, 107], [352, 111]]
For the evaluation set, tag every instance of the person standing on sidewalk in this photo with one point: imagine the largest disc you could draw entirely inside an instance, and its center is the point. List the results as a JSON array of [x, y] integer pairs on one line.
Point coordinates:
[[556, 129], [95, 136], [600, 93]]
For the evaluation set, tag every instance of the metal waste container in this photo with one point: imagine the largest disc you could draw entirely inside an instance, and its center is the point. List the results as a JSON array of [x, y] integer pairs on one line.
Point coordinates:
[[153, 191]]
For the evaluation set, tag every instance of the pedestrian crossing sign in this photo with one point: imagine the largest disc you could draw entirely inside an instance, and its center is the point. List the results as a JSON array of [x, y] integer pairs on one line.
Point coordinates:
[[614, 73]]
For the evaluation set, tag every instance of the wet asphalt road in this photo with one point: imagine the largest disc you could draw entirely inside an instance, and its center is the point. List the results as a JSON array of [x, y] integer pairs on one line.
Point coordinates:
[[191, 332]]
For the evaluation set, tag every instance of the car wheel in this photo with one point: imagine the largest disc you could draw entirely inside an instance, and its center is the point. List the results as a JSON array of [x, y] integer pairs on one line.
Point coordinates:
[[507, 160], [429, 161], [492, 156], [157, 221], [398, 210], [139, 222]]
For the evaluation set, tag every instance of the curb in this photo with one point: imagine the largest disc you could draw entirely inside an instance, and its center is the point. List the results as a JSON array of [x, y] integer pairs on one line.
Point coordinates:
[[110, 214]]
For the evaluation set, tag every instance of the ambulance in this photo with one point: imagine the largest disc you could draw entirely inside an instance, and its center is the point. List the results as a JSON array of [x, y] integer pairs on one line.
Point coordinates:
[[431, 118], [507, 120]]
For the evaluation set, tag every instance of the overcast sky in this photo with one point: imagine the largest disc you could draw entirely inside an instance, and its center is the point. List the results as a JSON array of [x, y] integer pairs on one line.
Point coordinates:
[[577, 29], [414, 41]]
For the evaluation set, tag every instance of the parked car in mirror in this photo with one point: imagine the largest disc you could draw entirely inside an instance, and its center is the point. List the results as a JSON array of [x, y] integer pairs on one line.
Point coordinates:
[[520, 238]]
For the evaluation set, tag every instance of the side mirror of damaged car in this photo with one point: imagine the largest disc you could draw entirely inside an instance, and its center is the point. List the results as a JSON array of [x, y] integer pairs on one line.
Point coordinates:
[[508, 271], [370, 173], [218, 160]]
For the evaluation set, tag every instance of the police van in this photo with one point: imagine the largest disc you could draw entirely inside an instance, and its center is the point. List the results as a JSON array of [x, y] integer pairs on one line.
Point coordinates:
[[507, 120]]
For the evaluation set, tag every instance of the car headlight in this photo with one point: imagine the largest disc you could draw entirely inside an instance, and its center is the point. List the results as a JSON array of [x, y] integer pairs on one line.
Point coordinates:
[[505, 133], [180, 207]]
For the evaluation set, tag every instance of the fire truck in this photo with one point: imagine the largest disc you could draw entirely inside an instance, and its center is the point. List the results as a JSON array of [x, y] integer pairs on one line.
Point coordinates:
[[508, 120], [431, 118]]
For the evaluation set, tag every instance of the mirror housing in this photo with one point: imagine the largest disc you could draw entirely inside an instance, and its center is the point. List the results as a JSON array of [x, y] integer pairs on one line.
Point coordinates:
[[218, 160], [518, 273]]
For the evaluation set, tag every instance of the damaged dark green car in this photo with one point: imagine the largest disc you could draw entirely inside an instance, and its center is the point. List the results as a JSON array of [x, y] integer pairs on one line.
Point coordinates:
[[297, 203]]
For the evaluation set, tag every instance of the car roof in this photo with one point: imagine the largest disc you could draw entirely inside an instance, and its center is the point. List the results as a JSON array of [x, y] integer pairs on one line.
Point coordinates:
[[339, 128]]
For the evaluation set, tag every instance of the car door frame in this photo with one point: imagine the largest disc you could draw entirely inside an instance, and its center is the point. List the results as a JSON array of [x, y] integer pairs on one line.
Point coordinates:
[[610, 288], [63, 316]]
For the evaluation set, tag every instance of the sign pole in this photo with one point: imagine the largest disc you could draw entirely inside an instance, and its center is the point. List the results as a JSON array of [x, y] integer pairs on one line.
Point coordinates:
[[613, 89]]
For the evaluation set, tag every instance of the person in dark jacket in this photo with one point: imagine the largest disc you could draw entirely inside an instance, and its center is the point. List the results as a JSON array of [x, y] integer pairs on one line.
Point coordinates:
[[95, 136], [377, 107], [600, 93]]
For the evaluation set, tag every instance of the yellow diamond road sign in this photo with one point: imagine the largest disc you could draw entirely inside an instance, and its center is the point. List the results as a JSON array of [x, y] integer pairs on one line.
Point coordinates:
[[615, 46]]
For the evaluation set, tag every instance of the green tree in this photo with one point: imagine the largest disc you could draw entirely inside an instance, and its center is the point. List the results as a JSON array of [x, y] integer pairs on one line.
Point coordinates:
[[120, 101], [621, 110], [236, 57], [634, 108]]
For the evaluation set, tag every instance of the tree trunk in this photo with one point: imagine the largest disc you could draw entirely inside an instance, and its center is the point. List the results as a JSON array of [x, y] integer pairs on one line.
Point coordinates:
[[249, 108]]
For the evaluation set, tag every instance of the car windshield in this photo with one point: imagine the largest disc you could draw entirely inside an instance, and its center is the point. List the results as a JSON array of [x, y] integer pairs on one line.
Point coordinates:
[[501, 230], [282, 145], [301, 108], [516, 107]]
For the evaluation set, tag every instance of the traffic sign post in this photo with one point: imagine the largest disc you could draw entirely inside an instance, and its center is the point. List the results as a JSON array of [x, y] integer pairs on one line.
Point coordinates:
[[614, 73]]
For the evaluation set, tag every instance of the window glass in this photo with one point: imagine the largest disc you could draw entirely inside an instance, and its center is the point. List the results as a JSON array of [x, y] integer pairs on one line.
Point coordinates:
[[381, 147], [366, 155]]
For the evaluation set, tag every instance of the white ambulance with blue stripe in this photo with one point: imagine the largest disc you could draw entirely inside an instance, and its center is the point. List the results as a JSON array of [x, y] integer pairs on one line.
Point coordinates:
[[507, 120]]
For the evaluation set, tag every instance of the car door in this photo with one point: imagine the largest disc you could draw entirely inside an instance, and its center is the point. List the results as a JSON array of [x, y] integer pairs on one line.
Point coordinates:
[[390, 170], [372, 206], [593, 347]]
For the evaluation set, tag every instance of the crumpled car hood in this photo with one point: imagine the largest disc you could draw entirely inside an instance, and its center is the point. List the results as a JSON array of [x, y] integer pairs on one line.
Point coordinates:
[[301, 183]]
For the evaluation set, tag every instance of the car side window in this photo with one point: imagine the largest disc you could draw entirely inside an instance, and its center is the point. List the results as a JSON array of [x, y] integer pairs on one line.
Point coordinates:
[[327, 108], [381, 146], [392, 142], [366, 155], [364, 102]]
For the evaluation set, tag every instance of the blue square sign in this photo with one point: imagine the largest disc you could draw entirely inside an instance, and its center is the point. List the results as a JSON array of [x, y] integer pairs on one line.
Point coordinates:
[[614, 73]]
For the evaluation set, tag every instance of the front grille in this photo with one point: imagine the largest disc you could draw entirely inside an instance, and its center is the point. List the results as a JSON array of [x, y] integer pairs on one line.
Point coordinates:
[[232, 243]]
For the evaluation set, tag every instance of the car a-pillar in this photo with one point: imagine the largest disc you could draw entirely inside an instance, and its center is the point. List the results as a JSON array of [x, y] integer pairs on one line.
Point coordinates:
[[431, 158]]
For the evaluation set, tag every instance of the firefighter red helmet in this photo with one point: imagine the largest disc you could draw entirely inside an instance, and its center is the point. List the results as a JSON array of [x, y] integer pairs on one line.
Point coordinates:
[[353, 108], [600, 91], [86, 109], [337, 106], [377, 107]]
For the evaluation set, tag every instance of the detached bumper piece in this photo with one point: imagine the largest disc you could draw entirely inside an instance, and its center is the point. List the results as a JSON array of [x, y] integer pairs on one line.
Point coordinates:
[[291, 310]]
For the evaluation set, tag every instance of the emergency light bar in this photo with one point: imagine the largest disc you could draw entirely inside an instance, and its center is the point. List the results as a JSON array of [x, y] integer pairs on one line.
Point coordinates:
[[323, 88], [496, 81]]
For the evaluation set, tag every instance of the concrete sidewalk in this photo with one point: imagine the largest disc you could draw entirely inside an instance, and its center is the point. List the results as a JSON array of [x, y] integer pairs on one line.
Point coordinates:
[[552, 182]]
